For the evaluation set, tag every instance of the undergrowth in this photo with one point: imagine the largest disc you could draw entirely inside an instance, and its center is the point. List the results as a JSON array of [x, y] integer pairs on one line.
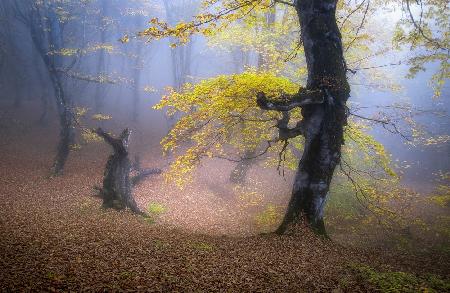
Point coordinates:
[[393, 282]]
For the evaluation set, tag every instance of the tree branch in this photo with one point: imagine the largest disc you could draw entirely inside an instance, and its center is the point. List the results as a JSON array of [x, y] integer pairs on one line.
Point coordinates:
[[289, 102], [284, 2], [135, 180], [119, 144], [422, 33], [386, 124]]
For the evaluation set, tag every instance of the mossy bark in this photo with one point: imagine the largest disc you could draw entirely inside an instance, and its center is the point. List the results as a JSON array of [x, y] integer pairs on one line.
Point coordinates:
[[323, 123]]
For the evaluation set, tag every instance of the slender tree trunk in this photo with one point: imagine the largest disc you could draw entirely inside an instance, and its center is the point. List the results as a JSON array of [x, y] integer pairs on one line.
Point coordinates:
[[239, 173], [137, 83], [43, 118], [18, 86], [63, 102], [100, 88], [44, 96], [324, 123], [66, 132], [181, 56]]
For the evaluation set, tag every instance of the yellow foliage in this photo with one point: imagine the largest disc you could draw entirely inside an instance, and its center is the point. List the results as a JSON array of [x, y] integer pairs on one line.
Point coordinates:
[[101, 117]]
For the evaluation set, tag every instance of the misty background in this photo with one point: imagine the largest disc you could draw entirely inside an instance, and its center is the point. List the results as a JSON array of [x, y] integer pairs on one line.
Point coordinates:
[[121, 75]]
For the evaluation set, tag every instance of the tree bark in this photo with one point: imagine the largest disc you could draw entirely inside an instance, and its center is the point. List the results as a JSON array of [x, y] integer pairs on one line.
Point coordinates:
[[63, 101], [323, 124], [117, 183], [66, 132]]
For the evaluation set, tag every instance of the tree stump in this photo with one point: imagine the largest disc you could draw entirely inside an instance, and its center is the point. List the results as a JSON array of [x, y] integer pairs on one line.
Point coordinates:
[[117, 183]]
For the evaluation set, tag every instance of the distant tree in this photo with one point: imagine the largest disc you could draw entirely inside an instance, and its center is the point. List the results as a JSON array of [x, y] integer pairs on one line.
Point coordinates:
[[45, 22], [103, 25], [177, 11], [12, 61], [58, 34]]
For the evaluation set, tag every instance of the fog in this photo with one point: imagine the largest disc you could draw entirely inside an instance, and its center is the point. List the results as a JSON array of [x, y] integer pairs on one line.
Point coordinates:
[[75, 75]]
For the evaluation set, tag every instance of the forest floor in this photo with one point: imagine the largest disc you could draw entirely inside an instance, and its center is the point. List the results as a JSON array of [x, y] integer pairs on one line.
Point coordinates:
[[54, 236]]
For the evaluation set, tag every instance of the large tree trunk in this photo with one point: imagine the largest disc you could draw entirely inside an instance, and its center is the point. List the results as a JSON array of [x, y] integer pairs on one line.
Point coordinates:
[[323, 123], [117, 183]]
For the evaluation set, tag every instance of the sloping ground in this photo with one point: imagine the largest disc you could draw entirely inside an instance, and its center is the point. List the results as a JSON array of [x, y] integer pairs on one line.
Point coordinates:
[[55, 237]]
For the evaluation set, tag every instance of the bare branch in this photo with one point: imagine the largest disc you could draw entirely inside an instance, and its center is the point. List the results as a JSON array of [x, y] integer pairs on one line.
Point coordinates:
[[361, 25], [351, 13], [262, 153], [386, 124], [419, 28]]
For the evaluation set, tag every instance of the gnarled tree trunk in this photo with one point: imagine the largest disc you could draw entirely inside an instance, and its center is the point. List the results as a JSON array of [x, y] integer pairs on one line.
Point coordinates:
[[323, 123], [323, 104], [117, 183]]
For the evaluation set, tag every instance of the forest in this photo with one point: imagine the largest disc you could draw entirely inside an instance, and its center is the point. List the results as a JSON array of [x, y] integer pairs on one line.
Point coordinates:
[[224, 146]]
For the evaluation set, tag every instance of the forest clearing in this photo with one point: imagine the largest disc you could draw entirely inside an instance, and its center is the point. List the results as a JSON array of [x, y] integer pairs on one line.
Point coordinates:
[[224, 146]]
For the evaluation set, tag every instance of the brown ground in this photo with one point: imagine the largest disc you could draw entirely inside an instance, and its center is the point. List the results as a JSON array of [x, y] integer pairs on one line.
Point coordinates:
[[54, 236]]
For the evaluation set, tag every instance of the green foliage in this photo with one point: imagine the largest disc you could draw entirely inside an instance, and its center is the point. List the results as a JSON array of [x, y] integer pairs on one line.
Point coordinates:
[[269, 217], [88, 135], [54, 276], [268, 33], [86, 205], [127, 274], [400, 281], [155, 210], [75, 147], [100, 117], [442, 193], [160, 244]]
